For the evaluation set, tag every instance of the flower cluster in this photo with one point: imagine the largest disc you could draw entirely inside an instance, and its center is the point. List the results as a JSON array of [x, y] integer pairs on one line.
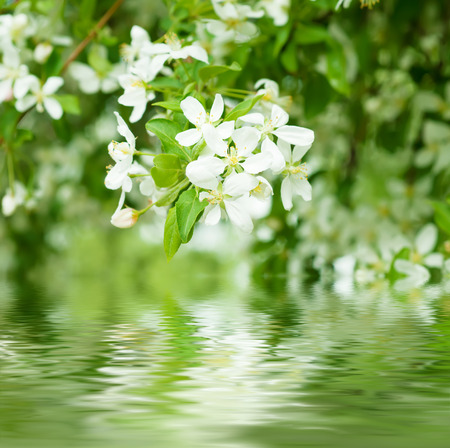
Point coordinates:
[[17, 84]]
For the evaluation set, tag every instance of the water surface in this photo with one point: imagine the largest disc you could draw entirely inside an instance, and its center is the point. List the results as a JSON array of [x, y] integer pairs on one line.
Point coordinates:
[[218, 362]]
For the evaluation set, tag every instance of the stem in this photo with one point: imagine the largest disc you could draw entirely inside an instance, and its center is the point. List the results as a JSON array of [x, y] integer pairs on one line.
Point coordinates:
[[140, 153], [138, 175], [185, 70], [146, 209], [100, 24]]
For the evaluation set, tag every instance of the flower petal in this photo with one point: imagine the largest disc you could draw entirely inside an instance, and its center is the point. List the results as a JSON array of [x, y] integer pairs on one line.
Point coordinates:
[[246, 139], [278, 116], [286, 193], [257, 163], [278, 163], [253, 118], [53, 107], [193, 111], [295, 135], [299, 151], [216, 109], [237, 212], [213, 140], [239, 184], [225, 129], [212, 215], [426, 239], [301, 187], [52, 85], [203, 172], [189, 137], [197, 52], [124, 130]]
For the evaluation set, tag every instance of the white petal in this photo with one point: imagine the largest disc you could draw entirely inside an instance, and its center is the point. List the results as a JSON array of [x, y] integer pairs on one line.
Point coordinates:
[[197, 52], [53, 107], [257, 163], [253, 118], [426, 239], [189, 137], [299, 151], [116, 176], [21, 88], [137, 112], [246, 139], [203, 172], [239, 184], [405, 267], [286, 193], [302, 187], [124, 130], [434, 260], [147, 187], [193, 111], [225, 129], [238, 215], [212, 215], [213, 140], [25, 103], [278, 163], [295, 135], [139, 35], [285, 149], [52, 85], [278, 117], [216, 109]]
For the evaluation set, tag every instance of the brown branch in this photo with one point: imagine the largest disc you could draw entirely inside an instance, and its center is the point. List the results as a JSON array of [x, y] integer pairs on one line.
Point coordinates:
[[82, 45]]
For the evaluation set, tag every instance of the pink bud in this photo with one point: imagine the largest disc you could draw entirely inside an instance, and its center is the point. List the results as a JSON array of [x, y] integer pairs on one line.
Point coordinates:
[[127, 217]]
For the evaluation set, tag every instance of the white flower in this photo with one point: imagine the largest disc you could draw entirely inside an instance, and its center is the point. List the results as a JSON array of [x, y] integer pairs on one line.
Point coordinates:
[[233, 24], [205, 125], [13, 29], [11, 74], [12, 200], [276, 125], [122, 154], [421, 257], [278, 10], [271, 92], [174, 50], [230, 196], [344, 3], [41, 96], [139, 46], [90, 81], [137, 90], [295, 181]]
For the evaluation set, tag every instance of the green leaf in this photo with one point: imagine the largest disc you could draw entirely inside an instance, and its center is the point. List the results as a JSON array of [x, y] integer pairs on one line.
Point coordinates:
[[8, 120], [172, 240], [211, 71], [166, 130], [167, 170], [289, 58], [188, 209], [281, 38], [311, 34], [70, 104], [169, 105], [442, 215], [337, 70], [243, 108], [172, 194]]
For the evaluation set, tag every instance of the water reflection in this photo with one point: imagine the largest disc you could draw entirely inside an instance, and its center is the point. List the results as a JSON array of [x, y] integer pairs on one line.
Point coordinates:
[[101, 361]]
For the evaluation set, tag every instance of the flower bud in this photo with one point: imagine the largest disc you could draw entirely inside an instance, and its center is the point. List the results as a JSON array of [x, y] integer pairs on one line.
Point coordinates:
[[127, 217]]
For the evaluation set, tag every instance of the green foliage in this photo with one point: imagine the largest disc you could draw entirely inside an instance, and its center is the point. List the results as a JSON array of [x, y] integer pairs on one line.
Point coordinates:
[[188, 209], [166, 131], [172, 240], [242, 108], [442, 215], [167, 171], [211, 71]]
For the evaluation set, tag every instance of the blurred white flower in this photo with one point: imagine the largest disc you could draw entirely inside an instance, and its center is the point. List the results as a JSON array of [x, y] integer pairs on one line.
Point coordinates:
[[41, 96]]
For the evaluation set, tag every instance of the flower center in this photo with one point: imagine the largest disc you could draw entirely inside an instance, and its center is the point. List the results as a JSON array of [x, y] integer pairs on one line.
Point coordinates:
[[215, 197]]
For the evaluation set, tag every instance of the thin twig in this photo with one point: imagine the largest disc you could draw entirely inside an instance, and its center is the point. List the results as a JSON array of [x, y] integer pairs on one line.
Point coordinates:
[[101, 23]]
